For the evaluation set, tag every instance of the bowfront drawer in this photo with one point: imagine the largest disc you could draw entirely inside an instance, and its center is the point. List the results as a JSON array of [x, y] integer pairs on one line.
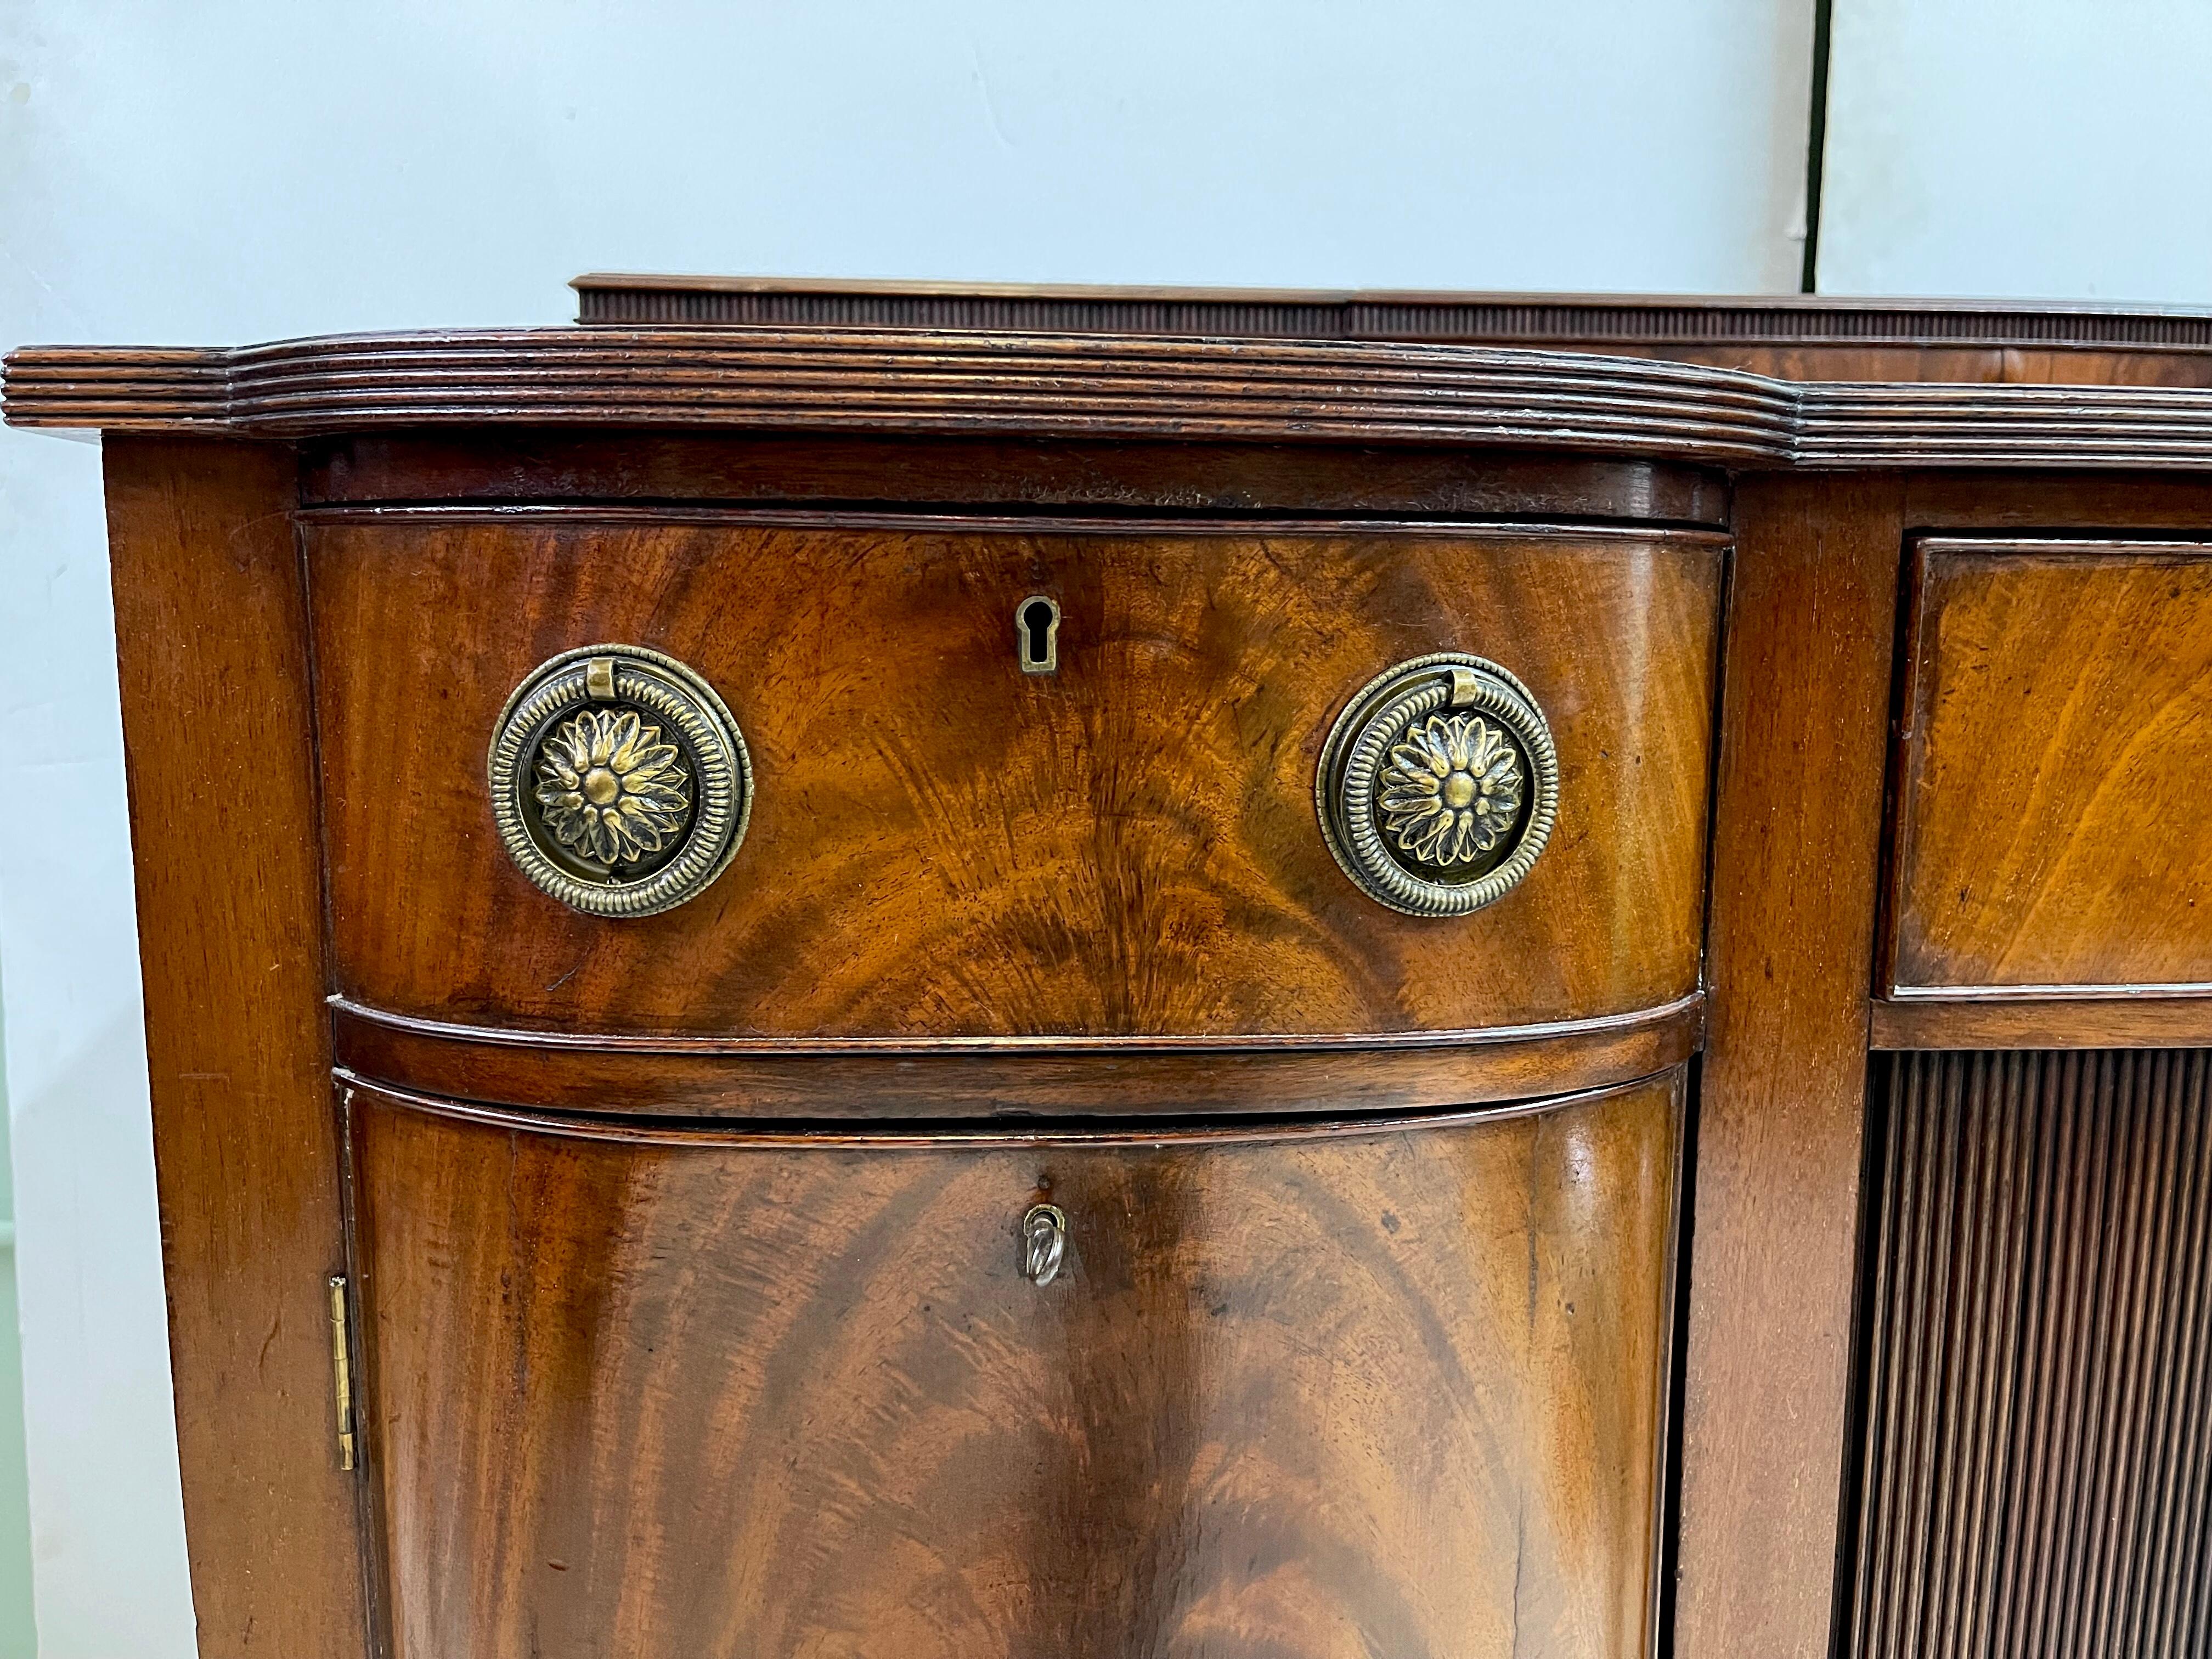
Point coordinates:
[[2057, 741], [738, 774], [1349, 1388]]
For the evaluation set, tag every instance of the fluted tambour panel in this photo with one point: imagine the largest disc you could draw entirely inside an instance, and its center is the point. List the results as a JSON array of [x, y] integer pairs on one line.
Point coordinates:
[[2039, 1418]]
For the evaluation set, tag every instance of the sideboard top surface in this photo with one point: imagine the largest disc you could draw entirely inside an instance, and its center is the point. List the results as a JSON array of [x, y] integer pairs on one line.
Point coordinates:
[[1840, 385]]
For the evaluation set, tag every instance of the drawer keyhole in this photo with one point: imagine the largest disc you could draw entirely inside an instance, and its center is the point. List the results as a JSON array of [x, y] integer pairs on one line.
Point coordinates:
[[1037, 636]]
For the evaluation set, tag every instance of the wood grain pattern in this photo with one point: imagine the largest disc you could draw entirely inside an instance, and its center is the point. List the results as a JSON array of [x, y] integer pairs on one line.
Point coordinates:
[[875, 1079], [1797, 820], [2037, 1463], [2058, 733], [2059, 363], [941, 845], [2059, 1021], [1093, 386], [1349, 1390], [1402, 481], [211, 623], [1310, 1387], [1978, 500], [875, 379]]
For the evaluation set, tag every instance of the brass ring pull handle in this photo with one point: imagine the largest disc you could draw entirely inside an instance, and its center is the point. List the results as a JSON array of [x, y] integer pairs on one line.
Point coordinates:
[[1044, 1243], [1438, 785], [620, 782]]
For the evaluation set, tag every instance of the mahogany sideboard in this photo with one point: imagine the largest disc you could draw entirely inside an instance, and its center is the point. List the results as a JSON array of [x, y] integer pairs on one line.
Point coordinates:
[[843, 970]]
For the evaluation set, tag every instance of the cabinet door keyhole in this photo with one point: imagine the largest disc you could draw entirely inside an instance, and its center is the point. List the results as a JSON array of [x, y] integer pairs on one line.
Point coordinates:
[[1037, 636]]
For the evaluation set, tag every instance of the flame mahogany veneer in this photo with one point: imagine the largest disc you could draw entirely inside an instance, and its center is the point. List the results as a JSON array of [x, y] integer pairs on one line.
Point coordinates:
[[1034, 1203]]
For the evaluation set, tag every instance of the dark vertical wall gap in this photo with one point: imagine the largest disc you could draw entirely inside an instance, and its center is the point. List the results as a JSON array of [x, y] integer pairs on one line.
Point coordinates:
[[1816, 144]]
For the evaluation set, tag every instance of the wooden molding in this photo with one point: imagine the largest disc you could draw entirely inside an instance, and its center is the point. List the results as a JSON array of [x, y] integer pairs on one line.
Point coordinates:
[[1588, 319], [531, 464], [2088, 1018], [875, 1078], [913, 382], [653, 1132], [917, 381]]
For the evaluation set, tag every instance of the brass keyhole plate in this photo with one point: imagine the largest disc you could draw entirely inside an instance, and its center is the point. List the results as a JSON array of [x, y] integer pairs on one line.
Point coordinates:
[[1036, 635]]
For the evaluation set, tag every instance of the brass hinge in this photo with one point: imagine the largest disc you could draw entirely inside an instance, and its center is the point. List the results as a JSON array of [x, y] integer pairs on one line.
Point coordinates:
[[342, 1370]]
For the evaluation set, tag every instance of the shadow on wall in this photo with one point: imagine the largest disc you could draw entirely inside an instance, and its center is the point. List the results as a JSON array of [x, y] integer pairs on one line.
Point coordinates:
[[93, 1437], [17, 1638]]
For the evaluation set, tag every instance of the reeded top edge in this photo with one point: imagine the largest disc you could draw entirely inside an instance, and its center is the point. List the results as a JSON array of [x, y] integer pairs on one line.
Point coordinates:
[[1071, 384]]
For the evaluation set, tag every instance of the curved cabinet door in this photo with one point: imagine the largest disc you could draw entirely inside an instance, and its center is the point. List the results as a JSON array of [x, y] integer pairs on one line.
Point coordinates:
[[1321, 1392]]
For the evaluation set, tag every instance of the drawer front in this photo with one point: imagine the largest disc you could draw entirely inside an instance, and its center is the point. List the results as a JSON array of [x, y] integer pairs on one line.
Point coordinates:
[[1349, 1390], [940, 843], [2052, 829]]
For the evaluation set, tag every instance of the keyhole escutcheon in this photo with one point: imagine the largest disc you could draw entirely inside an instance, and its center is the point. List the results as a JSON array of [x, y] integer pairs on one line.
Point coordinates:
[[1036, 635]]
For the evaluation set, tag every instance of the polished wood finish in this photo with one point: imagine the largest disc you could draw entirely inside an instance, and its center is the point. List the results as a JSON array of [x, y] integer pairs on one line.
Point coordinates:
[[2061, 364], [1145, 954], [853, 380], [1334, 1391], [1403, 482], [2092, 1018], [1979, 501], [2051, 825], [1797, 820], [1109, 386], [215, 712], [2037, 1464], [550, 466], [872, 1079], [943, 845]]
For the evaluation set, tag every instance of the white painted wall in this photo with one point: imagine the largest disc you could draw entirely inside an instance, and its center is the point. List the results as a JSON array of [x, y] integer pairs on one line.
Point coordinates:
[[248, 169], [2020, 149]]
